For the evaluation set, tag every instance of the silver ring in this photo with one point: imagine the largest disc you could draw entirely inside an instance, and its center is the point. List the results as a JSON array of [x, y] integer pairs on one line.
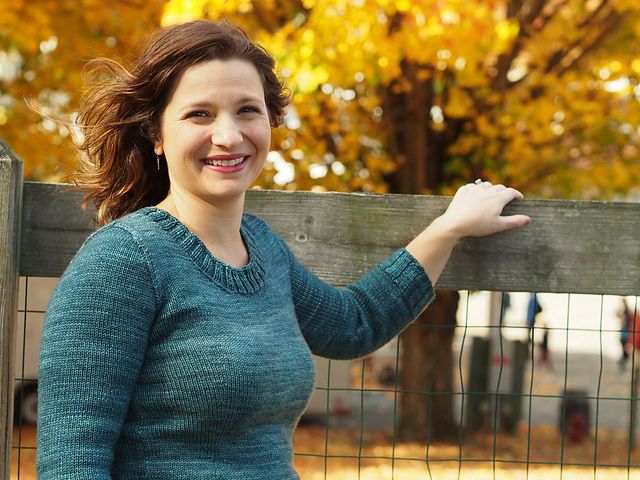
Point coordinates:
[[478, 181]]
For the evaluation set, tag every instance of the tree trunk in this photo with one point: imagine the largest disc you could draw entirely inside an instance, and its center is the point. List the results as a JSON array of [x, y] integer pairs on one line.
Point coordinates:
[[426, 376], [427, 364]]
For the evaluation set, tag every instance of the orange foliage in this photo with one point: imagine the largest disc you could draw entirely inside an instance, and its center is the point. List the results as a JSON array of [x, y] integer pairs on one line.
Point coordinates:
[[43, 47], [545, 99]]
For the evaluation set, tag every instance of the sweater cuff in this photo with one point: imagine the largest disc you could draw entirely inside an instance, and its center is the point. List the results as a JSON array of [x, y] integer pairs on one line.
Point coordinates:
[[411, 279]]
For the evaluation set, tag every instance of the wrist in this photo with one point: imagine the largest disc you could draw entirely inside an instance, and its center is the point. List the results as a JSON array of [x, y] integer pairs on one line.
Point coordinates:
[[433, 247], [444, 231]]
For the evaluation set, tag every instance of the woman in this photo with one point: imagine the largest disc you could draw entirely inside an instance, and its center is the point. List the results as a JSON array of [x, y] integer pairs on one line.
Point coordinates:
[[177, 345]]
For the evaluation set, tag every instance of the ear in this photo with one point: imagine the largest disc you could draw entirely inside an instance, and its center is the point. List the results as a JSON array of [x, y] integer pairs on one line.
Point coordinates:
[[157, 147]]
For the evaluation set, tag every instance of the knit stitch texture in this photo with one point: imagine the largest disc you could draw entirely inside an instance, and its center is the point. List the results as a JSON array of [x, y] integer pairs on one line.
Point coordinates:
[[158, 361]]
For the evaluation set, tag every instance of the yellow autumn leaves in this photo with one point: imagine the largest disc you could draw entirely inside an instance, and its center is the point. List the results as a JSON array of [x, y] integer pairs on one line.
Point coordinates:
[[546, 100]]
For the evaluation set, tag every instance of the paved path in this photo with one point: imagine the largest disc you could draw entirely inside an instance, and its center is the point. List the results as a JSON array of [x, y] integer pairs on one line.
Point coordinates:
[[603, 379]]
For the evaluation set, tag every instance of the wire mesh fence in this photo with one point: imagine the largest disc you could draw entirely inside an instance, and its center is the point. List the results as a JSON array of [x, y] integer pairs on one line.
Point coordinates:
[[549, 400], [576, 395], [33, 298]]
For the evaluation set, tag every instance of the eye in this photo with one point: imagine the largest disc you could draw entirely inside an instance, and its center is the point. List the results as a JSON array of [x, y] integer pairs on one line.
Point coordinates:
[[250, 109], [197, 114]]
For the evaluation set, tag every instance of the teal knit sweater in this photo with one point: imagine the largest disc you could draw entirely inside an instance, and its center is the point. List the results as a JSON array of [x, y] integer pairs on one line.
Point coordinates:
[[159, 361]]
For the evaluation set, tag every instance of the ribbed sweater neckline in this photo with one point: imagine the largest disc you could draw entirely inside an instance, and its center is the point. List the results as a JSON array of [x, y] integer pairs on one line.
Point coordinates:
[[247, 280]]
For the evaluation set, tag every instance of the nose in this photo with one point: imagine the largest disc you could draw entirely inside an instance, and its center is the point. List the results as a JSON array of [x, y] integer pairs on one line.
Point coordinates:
[[226, 132]]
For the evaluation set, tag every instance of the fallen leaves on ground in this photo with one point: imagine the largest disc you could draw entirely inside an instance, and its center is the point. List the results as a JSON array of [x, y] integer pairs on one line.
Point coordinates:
[[535, 454], [346, 454]]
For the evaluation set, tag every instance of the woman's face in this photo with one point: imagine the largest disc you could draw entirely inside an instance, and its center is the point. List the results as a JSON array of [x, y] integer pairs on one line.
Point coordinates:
[[215, 131]]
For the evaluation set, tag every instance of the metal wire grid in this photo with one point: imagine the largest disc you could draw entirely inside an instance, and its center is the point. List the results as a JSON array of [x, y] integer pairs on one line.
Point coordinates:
[[23, 455], [597, 465], [30, 313]]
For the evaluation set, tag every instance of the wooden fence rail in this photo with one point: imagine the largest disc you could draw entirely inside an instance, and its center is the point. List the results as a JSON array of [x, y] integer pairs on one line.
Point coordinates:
[[570, 247]]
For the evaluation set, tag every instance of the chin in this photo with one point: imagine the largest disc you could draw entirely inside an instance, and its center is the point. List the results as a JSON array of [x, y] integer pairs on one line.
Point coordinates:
[[230, 194]]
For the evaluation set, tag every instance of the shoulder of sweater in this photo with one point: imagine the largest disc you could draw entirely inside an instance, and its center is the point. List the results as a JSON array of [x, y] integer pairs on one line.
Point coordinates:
[[112, 250], [122, 229], [113, 238], [112, 232], [257, 224], [265, 235], [254, 221]]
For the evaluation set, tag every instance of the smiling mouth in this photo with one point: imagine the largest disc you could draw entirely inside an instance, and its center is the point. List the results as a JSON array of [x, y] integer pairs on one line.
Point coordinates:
[[232, 162]]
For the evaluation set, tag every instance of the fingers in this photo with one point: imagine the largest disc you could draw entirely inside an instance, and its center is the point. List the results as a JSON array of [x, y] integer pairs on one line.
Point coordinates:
[[490, 200], [486, 184], [481, 183], [509, 193], [514, 221]]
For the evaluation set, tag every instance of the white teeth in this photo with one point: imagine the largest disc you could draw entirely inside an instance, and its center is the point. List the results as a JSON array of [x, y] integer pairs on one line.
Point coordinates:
[[225, 163]]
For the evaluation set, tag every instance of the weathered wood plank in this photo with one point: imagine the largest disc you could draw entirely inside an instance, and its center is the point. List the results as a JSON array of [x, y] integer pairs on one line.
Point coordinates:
[[571, 246], [10, 205], [53, 228]]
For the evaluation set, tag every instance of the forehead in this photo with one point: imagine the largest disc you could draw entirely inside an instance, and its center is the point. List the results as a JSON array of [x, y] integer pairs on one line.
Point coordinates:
[[218, 78]]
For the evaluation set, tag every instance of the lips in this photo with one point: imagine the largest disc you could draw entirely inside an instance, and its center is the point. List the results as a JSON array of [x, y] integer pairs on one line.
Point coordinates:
[[226, 163], [225, 160]]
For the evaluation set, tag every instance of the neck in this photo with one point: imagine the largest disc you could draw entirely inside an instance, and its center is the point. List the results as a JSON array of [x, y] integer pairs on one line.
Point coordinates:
[[216, 225]]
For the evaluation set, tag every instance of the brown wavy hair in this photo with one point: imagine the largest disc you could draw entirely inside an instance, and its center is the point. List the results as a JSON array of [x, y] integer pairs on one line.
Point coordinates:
[[121, 112]]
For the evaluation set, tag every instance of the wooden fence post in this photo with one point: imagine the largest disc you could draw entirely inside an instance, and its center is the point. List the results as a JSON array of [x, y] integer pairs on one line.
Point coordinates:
[[10, 217]]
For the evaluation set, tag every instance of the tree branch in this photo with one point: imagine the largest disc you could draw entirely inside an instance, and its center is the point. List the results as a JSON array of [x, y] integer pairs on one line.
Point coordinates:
[[266, 19], [593, 15], [526, 22], [272, 20], [540, 21], [503, 65], [513, 8], [610, 23], [588, 26], [534, 10]]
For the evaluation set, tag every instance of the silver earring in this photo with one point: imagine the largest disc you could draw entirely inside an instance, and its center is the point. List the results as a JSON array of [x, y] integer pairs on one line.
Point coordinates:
[[158, 162]]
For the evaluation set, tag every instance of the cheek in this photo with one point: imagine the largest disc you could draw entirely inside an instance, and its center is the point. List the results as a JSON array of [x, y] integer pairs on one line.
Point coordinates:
[[263, 136], [183, 141]]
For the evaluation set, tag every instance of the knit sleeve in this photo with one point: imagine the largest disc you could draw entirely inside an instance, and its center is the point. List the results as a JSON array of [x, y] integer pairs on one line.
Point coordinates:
[[355, 321], [93, 343]]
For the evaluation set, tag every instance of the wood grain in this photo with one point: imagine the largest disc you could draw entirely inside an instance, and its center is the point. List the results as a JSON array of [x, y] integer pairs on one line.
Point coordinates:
[[10, 207], [571, 246]]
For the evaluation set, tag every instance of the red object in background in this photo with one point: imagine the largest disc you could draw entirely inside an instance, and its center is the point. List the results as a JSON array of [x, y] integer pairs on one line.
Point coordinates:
[[576, 428], [634, 332], [575, 414]]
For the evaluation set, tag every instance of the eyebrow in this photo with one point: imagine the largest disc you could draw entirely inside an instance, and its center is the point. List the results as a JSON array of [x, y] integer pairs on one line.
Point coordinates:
[[205, 103]]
